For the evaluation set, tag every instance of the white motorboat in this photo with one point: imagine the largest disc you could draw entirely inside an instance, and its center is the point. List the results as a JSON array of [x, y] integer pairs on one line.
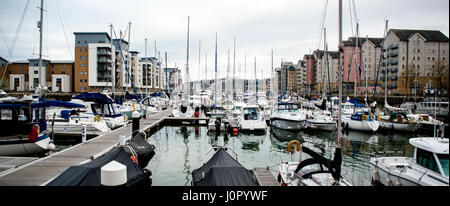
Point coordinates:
[[67, 122], [313, 171], [429, 165], [251, 120], [321, 120], [287, 116], [360, 122], [398, 121], [99, 104]]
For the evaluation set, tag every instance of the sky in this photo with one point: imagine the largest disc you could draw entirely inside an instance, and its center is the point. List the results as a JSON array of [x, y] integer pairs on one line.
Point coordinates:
[[291, 28]]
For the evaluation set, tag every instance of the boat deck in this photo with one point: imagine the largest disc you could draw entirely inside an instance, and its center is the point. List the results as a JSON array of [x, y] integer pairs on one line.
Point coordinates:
[[43, 170]]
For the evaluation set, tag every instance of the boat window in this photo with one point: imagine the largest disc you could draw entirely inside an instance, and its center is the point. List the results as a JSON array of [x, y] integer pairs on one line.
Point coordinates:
[[98, 109], [426, 159], [281, 107], [443, 159], [6, 114]]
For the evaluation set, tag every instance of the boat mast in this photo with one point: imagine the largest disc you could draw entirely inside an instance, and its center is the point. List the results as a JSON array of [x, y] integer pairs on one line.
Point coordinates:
[[146, 68], [385, 63], [227, 80], [271, 76], [206, 71], [215, 77], [199, 54], [42, 80], [234, 68], [339, 125], [186, 95], [365, 73], [245, 73], [167, 77], [128, 52], [113, 66], [256, 84], [356, 60]]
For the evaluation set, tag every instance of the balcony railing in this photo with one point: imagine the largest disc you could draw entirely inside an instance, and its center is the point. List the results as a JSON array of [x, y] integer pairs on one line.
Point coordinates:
[[104, 60]]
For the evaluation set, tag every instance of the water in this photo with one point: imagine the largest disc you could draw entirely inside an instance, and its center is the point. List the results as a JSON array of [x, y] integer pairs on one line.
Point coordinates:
[[180, 150]]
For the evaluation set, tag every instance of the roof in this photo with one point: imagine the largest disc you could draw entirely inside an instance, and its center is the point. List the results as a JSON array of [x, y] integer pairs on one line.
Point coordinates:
[[88, 33], [308, 56], [431, 144], [351, 41], [429, 35]]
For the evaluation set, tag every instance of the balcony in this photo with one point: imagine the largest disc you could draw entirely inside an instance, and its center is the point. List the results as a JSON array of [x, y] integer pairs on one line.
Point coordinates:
[[104, 60], [103, 52], [394, 69], [394, 45], [393, 78]]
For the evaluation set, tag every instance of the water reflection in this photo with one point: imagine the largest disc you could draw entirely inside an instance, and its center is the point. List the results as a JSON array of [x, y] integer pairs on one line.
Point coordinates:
[[179, 150]]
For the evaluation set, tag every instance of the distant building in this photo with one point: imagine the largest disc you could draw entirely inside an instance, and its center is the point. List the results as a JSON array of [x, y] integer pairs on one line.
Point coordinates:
[[23, 75], [411, 59]]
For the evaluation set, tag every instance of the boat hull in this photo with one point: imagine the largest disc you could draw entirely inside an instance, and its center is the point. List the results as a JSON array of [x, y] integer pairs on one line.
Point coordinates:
[[390, 171], [22, 146], [365, 126], [284, 124], [399, 127]]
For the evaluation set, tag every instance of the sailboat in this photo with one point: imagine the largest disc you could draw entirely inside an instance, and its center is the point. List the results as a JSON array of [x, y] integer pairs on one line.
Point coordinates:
[[217, 113], [316, 170], [251, 119], [359, 119], [183, 109], [397, 120]]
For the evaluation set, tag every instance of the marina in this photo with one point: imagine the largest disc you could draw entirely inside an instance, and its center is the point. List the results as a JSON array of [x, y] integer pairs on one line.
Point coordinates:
[[115, 117]]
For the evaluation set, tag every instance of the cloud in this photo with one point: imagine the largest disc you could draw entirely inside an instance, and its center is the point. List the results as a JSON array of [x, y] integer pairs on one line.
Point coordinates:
[[290, 27]]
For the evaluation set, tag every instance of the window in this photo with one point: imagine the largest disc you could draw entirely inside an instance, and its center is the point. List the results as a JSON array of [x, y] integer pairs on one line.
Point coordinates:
[[426, 159], [36, 71], [6, 114]]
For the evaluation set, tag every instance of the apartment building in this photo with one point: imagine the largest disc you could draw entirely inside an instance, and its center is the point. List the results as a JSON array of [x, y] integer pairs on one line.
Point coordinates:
[[370, 62], [310, 66], [23, 75], [94, 60], [326, 66], [301, 76], [411, 58]]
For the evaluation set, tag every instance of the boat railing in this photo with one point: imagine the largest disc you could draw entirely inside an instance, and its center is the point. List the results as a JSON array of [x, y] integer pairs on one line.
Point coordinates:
[[386, 153], [222, 147]]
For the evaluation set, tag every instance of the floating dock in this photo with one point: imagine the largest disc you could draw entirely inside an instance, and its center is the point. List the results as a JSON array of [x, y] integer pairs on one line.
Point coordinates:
[[265, 177], [41, 171]]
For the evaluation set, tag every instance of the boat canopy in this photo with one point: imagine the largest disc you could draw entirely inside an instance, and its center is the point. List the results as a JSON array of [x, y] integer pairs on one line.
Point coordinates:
[[223, 170], [39, 104], [94, 97], [436, 145], [354, 102]]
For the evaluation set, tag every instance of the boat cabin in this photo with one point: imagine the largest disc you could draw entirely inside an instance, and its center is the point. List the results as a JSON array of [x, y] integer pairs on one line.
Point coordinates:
[[18, 117], [432, 153], [251, 112]]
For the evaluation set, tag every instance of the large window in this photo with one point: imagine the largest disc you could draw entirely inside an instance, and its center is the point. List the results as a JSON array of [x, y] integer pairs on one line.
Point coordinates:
[[251, 113], [426, 159], [6, 114]]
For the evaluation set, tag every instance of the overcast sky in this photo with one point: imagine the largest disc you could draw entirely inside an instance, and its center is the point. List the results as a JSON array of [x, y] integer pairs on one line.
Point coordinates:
[[290, 27]]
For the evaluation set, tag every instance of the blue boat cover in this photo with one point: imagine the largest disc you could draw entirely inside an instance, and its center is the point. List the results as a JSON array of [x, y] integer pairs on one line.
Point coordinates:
[[95, 97], [354, 102]]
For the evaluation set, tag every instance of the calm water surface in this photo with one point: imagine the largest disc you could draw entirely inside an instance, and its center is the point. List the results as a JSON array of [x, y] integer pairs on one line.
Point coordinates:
[[180, 150]]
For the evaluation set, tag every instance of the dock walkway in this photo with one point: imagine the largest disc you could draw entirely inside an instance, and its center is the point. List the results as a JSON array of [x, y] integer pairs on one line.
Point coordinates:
[[265, 177], [42, 171]]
